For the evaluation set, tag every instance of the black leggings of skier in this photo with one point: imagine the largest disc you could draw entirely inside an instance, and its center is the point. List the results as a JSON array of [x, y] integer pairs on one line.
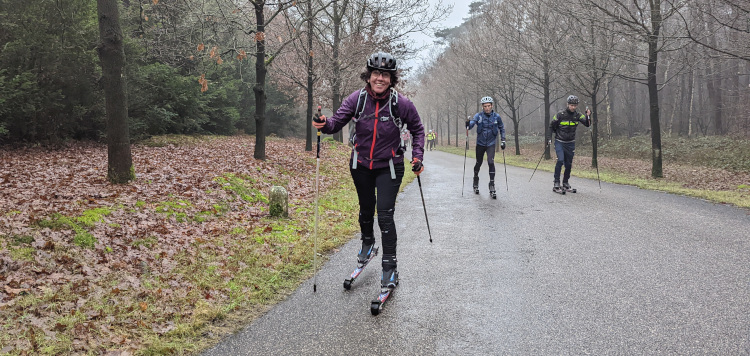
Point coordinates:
[[480, 150], [367, 181]]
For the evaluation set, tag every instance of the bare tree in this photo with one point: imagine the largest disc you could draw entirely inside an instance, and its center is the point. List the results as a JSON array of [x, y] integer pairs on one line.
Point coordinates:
[[727, 17], [644, 22], [542, 41], [592, 66]]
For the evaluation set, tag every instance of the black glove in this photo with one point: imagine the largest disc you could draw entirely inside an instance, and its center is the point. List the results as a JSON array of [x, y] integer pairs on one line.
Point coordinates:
[[317, 118], [416, 165], [502, 145]]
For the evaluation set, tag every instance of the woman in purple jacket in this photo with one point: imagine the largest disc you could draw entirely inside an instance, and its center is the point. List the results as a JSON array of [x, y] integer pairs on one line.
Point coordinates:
[[377, 164]]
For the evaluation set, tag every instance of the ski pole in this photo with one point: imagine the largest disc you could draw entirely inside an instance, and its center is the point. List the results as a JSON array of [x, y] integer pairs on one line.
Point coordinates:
[[463, 182], [506, 172], [597, 160], [419, 181], [540, 161], [317, 179]]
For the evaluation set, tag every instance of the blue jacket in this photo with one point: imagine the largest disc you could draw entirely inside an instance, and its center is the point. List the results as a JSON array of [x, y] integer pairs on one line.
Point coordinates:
[[488, 125]]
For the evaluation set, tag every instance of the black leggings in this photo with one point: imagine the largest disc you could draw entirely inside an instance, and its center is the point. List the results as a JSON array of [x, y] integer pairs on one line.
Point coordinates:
[[490, 160], [367, 181]]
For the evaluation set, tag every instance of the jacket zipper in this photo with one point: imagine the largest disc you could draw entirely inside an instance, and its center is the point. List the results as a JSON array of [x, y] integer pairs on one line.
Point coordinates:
[[374, 131]]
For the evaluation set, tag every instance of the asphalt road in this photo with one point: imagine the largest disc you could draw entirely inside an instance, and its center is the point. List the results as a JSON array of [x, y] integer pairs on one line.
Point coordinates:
[[618, 271]]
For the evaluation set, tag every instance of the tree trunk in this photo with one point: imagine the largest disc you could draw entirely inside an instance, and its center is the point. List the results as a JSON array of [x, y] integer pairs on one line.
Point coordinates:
[[653, 96], [547, 112], [260, 86], [112, 56], [609, 108], [308, 120], [458, 118], [691, 90], [338, 15], [674, 106], [713, 83], [594, 130], [515, 132], [448, 126]]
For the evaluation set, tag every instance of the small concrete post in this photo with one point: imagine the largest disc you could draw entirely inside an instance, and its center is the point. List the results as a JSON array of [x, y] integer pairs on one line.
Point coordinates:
[[278, 200]]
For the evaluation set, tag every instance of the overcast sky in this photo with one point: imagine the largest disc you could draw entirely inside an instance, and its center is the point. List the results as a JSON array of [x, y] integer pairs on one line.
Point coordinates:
[[455, 18]]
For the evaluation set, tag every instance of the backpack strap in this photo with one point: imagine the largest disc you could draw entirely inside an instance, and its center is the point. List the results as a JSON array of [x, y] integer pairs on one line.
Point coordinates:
[[397, 118], [353, 127]]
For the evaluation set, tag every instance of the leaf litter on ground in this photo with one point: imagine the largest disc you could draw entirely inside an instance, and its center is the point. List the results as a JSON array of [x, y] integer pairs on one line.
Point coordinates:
[[106, 268]]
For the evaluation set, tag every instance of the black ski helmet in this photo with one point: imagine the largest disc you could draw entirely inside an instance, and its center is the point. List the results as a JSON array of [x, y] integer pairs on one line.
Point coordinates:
[[382, 61], [573, 100]]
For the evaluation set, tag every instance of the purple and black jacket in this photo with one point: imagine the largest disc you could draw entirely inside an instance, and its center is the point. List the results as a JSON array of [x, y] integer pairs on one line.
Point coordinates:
[[378, 137]]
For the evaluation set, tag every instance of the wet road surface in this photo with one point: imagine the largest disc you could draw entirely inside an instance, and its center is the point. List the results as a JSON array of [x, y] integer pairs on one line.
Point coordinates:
[[618, 271]]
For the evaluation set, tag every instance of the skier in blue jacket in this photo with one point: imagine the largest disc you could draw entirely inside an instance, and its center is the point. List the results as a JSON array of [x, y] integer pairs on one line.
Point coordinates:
[[488, 124]]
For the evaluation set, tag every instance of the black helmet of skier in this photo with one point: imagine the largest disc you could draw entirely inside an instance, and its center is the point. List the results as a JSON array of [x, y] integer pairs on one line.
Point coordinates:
[[382, 61], [573, 100], [487, 99]]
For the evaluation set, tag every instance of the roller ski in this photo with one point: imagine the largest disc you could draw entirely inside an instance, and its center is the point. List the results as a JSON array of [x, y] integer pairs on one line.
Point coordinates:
[[558, 189], [366, 253], [476, 185], [567, 188], [387, 284], [493, 194]]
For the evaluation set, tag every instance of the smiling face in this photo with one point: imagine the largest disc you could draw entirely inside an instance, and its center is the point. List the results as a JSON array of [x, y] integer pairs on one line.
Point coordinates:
[[379, 81]]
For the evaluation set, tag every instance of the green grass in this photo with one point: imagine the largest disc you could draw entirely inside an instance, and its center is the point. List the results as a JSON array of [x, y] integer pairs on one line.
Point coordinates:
[[79, 225], [243, 187], [265, 265], [174, 209]]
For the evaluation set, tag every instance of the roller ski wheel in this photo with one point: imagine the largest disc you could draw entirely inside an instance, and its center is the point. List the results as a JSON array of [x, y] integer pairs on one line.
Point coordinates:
[[476, 190], [493, 193], [377, 304], [568, 189], [558, 190], [360, 267], [476, 185], [387, 284]]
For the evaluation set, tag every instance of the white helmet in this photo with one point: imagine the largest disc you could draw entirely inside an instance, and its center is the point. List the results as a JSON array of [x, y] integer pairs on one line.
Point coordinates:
[[487, 99]]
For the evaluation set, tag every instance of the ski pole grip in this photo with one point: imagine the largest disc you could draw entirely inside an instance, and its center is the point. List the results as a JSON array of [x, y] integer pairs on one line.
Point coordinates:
[[417, 166]]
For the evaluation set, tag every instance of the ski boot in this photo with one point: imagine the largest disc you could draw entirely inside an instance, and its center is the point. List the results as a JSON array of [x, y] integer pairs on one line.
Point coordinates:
[[567, 188], [493, 194], [558, 189], [388, 283], [476, 185], [389, 279], [366, 254]]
